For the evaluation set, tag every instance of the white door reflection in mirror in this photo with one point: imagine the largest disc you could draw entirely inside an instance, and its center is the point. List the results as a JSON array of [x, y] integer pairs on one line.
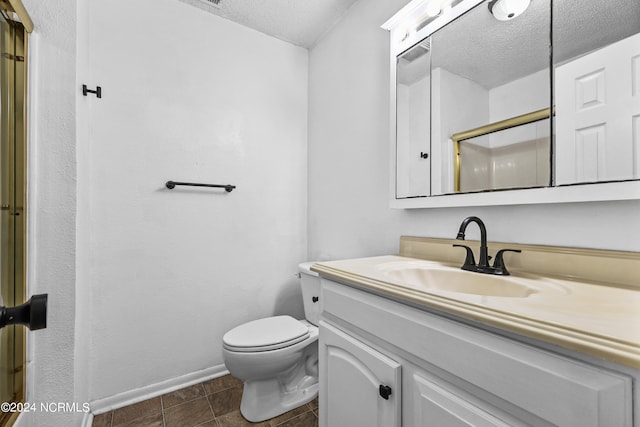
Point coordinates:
[[598, 106], [413, 98]]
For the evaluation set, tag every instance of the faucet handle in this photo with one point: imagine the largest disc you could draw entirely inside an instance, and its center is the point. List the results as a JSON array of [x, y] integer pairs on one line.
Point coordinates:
[[498, 264], [469, 261]]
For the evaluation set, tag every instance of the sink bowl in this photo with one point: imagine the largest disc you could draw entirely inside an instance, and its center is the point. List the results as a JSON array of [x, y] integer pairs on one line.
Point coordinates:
[[432, 276]]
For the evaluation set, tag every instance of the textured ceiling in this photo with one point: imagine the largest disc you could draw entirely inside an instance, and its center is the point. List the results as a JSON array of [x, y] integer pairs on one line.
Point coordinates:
[[301, 22], [493, 52]]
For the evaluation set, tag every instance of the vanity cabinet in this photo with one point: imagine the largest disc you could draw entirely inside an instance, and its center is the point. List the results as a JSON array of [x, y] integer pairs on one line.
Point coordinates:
[[362, 385], [447, 373], [435, 403]]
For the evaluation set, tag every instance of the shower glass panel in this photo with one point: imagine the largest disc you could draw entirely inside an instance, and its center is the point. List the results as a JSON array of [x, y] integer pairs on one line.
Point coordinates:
[[12, 202]]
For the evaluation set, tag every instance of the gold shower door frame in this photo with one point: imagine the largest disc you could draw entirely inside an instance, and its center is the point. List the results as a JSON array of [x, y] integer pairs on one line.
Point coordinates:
[[13, 69], [487, 129]]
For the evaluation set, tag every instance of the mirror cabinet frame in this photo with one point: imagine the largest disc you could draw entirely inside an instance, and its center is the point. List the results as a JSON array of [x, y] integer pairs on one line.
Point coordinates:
[[410, 26]]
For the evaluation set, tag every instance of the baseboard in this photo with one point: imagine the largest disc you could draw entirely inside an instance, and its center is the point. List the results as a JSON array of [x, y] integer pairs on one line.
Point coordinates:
[[138, 395], [87, 420], [24, 419]]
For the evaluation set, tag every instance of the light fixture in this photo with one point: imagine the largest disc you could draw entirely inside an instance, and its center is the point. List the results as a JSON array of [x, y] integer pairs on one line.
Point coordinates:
[[433, 8], [505, 10], [436, 7]]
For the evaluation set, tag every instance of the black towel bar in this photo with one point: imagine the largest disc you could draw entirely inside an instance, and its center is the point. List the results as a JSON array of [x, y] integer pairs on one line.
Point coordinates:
[[172, 184]]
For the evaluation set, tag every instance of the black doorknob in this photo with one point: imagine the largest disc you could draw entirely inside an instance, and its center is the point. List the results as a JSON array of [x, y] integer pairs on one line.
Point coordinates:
[[32, 313]]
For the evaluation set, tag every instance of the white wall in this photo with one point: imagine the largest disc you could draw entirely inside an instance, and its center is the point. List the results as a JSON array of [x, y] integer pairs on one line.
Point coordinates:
[[188, 96], [51, 371], [348, 163], [521, 96]]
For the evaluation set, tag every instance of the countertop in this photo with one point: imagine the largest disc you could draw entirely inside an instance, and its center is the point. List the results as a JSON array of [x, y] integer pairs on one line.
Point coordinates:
[[602, 321]]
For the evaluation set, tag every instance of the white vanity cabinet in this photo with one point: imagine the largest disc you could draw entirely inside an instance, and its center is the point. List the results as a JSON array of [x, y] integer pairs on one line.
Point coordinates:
[[436, 403], [445, 373], [357, 376]]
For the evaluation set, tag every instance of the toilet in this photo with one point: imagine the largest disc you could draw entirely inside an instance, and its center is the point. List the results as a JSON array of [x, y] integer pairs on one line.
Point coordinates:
[[277, 357]]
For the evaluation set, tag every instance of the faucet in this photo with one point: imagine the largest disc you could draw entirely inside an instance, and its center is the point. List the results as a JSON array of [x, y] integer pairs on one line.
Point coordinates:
[[499, 268]]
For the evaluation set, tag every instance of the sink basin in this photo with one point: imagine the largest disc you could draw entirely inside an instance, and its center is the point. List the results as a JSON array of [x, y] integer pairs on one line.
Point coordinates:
[[433, 276]]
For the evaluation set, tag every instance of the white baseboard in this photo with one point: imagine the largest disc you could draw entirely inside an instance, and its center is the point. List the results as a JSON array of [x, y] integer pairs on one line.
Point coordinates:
[[120, 400], [25, 419], [87, 420]]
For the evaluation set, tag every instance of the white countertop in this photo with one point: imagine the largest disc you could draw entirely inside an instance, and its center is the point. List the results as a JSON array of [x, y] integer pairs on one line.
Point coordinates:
[[599, 320]]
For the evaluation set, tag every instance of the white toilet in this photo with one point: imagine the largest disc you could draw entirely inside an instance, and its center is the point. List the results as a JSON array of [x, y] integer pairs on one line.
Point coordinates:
[[277, 357]]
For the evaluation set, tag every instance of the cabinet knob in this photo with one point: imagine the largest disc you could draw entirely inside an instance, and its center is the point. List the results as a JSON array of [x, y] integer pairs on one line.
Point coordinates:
[[385, 391], [315, 299]]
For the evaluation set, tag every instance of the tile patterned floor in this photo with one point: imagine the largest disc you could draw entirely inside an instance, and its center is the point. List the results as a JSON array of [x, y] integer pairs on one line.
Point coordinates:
[[214, 403]]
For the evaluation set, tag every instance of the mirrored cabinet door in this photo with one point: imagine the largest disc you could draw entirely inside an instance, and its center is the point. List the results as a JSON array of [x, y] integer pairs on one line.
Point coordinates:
[[413, 121]]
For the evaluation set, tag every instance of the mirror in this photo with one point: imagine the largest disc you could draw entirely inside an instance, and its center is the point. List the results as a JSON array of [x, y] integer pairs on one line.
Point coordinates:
[[484, 105], [413, 121], [508, 154], [480, 84]]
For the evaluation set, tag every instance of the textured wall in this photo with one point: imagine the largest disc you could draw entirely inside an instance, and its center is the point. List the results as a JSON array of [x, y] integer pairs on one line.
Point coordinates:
[[187, 96], [52, 207]]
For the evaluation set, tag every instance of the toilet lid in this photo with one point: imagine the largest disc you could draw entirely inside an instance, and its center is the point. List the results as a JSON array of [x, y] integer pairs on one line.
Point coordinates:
[[266, 334]]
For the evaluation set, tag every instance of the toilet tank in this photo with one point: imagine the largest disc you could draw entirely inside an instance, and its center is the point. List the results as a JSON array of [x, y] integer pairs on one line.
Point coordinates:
[[310, 284]]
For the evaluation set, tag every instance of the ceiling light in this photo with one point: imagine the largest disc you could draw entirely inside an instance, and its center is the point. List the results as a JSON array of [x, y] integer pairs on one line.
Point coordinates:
[[504, 10]]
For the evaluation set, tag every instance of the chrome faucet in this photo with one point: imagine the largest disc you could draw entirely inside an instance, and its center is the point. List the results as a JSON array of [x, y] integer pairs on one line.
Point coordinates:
[[499, 268]]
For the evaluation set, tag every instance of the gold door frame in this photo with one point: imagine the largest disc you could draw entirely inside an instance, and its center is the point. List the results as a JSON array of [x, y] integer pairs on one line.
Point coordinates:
[[16, 7], [15, 24], [486, 129]]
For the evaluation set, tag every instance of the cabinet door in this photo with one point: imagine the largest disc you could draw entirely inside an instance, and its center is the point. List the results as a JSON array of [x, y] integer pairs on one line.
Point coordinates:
[[359, 386], [437, 406]]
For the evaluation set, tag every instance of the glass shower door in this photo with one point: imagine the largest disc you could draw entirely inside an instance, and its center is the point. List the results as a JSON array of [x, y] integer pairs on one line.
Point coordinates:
[[12, 208]]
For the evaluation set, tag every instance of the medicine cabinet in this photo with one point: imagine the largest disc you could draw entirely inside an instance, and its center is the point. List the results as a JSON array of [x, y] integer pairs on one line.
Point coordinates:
[[514, 102]]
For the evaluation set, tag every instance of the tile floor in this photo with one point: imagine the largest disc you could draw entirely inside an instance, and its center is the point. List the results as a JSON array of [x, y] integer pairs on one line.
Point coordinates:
[[214, 403]]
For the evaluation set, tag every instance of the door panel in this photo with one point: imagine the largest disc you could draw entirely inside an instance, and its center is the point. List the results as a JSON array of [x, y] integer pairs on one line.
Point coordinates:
[[598, 105], [352, 376], [435, 406]]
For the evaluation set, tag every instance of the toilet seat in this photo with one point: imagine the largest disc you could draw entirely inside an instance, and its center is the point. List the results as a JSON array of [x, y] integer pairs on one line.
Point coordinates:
[[266, 334]]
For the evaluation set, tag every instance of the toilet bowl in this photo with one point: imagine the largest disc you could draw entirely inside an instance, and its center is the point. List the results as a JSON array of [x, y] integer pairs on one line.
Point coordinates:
[[277, 357]]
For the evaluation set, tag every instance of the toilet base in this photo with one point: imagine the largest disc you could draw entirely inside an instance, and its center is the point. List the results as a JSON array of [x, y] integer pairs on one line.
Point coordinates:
[[268, 398], [260, 403]]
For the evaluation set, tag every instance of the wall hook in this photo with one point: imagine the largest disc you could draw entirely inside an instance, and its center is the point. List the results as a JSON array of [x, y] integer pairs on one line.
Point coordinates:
[[86, 91]]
